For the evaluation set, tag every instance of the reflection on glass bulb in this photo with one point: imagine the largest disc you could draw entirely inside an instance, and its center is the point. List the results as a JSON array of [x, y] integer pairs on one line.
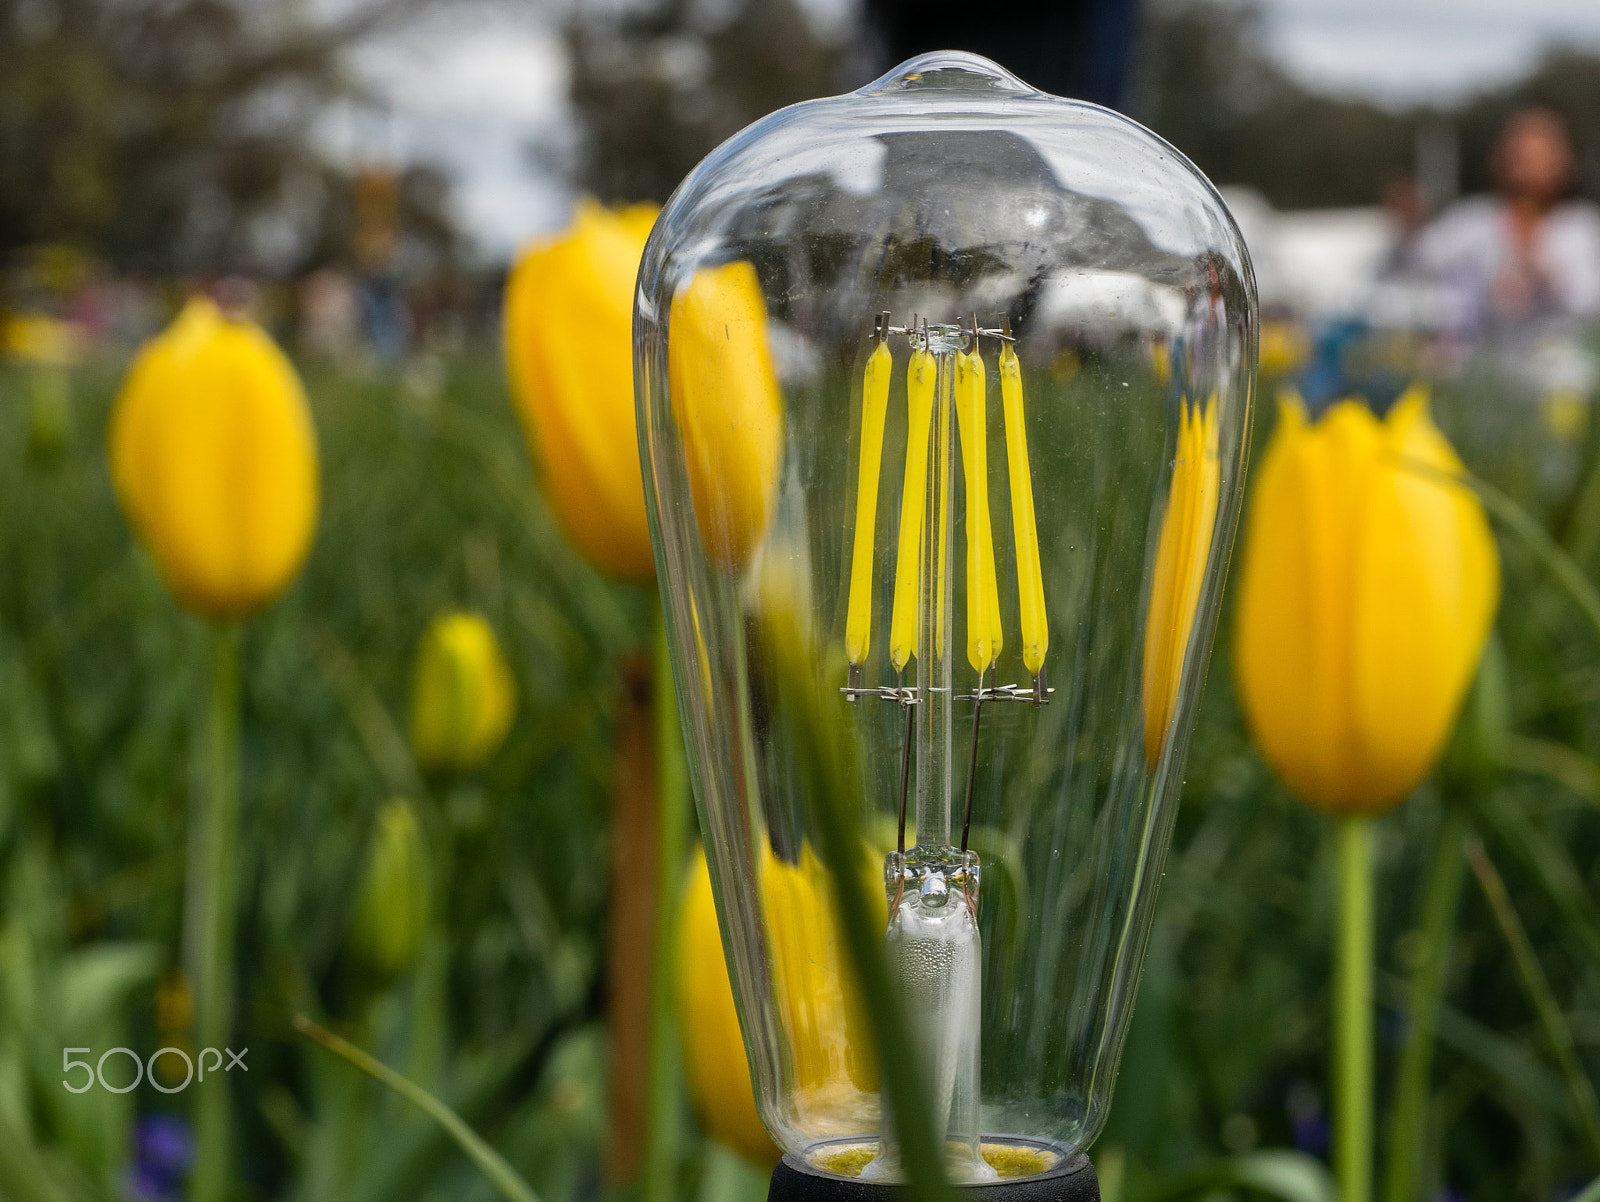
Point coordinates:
[[726, 399], [1181, 552]]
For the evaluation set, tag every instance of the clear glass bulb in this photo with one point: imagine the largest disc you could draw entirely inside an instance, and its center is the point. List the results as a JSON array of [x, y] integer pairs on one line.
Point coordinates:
[[944, 389]]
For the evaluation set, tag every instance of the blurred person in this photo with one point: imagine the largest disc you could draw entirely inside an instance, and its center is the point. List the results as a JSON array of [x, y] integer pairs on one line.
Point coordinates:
[[1406, 207], [1529, 254], [384, 313], [330, 313]]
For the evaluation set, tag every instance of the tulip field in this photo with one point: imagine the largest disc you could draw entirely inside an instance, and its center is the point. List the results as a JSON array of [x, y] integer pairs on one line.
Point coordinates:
[[444, 907], [427, 504]]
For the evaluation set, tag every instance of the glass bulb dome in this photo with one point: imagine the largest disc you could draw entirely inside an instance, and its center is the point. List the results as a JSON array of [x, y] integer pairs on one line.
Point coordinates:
[[944, 389]]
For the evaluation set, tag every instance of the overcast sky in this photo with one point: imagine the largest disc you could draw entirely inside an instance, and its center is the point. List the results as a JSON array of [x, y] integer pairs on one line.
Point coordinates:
[[1422, 49], [470, 96]]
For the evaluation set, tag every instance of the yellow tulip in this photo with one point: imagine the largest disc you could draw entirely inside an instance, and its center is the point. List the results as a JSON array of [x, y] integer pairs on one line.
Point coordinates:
[[391, 915], [714, 1063], [569, 349], [37, 339], [1368, 587], [1182, 550], [727, 404], [1285, 346], [819, 1006], [215, 461], [463, 696]]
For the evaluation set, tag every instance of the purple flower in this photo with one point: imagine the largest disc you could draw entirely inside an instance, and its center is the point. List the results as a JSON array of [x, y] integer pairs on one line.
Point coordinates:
[[163, 1149]]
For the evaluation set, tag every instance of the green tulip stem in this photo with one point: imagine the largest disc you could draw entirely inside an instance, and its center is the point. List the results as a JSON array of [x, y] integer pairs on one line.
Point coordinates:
[[662, 1090], [211, 909], [506, 1179], [1352, 1052], [1537, 988], [1441, 896]]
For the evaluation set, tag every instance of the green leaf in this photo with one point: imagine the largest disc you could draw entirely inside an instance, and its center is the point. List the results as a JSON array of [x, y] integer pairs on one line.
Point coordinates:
[[94, 982], [1277, 1172], [30, 1174], [493, 1166]]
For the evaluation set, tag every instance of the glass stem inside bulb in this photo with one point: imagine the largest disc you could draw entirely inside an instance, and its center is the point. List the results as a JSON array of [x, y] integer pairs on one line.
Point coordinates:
[[935, 954], [935, 716]]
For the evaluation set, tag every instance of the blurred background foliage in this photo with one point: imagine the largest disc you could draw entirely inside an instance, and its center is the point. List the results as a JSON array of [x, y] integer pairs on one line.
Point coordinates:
[[169, 142], [178, 135]]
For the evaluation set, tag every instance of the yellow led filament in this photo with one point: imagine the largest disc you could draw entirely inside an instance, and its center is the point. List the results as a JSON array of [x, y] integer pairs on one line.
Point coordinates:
[[984, 639], [1030, 580], [874, 405], [920, 377], [949, 379], [944, 526]]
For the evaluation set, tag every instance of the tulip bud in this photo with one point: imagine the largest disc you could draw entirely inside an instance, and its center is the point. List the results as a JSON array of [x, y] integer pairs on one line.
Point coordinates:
[[820, 1005], [569, 349], [39, 340], [391, 916], [1182, 550], [463, 696], [1368, 586], [727, 405], [49, 414], [215, 461], [46, 349]]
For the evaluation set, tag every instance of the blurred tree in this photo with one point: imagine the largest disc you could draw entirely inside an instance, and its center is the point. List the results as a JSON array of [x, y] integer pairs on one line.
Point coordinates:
[[176, 134], [659, 85], [1206, 82]]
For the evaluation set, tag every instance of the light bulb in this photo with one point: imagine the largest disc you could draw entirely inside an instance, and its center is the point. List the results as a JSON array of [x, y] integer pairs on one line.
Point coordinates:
[[944, 388]]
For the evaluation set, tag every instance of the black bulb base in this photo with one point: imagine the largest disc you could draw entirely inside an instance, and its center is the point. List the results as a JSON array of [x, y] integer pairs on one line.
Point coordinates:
[[1071, 1180]]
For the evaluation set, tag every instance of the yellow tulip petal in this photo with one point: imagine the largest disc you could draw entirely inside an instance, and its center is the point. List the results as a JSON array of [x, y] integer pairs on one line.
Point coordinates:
[[1183, 549], [214, 458], [714, 1063], [820, 1007], [463, 697], [569, 349], [1366, 593], [1409, 677]]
